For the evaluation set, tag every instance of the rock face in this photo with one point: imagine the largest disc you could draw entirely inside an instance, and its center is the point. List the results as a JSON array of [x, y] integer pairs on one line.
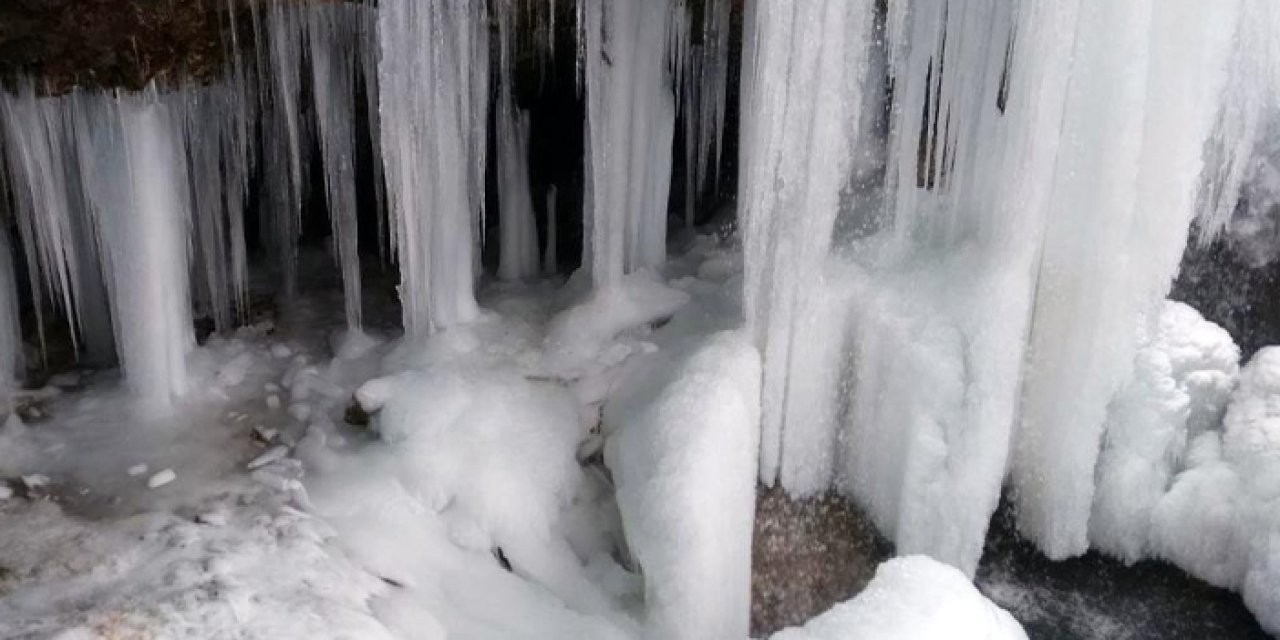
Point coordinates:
[[110, 43]]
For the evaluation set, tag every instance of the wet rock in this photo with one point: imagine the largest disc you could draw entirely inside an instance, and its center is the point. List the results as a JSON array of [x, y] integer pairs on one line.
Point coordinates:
[[355, 415], [808, 555]]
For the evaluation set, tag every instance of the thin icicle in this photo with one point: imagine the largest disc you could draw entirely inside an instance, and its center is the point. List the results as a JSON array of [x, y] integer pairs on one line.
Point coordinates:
[[518, 234], [550, 260], [334, 37]]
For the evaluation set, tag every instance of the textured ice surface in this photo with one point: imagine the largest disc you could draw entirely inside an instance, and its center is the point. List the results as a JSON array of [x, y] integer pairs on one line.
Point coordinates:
[[683, 454], [912, 598]]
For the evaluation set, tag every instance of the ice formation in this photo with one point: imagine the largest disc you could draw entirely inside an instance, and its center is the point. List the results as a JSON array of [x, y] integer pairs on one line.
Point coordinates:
[[115, 167], [985, 293], [11, 356], [1184, 372], [191, 156], [790, 181], [335, 47], [949, 286], [1240, 187], [912, 598], [433, 83], [702, 71], [1128, 177], [495, 454], [683, 456], [518, 242], [144, 239], [629, 129]]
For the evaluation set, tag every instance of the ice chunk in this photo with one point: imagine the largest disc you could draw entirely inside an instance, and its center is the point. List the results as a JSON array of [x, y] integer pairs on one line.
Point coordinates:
[[271, 455], [161, 478]]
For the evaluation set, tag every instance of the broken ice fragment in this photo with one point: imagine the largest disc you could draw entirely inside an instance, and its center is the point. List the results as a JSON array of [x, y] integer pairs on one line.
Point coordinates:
[[271, 455], [161, 478]]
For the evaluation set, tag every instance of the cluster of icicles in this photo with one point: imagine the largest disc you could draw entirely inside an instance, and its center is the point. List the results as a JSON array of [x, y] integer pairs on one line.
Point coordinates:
[[954, 213], [947, 279], [131, 207]]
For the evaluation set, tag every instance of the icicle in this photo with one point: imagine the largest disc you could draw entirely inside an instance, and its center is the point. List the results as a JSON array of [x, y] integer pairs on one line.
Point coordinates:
[[334, 38], [1252, 94], [37, 151], [286, 162], [433, 85], [203, 125], [996, 236], [368, 57], [704, 80], [518, 245], [630, 122], [11, 358], [550, 260]]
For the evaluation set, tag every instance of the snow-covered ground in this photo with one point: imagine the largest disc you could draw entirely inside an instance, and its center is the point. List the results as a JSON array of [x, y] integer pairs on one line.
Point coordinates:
[[570, 465]]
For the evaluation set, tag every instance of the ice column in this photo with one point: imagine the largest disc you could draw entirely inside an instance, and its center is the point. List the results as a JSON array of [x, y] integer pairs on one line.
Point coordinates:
[[518, 233], [433, 86], [10, 330], [136, 182], [284, 147], [334, 38], [630, 124], [1124, 195], [804, 60]]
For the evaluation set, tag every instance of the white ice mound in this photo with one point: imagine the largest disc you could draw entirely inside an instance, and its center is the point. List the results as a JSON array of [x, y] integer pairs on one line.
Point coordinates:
[[912, 598], [494, 454], [1183, 375], [1220, 518]]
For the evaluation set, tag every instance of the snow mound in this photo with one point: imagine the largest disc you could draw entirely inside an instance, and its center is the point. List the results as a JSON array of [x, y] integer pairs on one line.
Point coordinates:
[[1183, 375], [912, 598], [579, 335], [493, 453], [684, 457], [1220, 519]]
